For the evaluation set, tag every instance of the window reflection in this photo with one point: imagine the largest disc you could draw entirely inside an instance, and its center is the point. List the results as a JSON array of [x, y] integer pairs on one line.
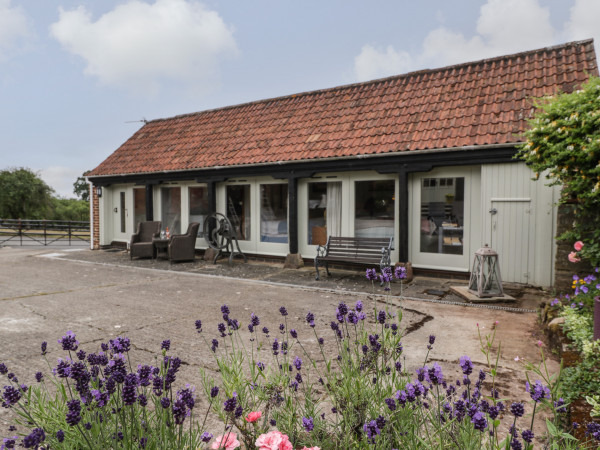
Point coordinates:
[[374, 208], [442, 215], [273, 213], [324, 211]]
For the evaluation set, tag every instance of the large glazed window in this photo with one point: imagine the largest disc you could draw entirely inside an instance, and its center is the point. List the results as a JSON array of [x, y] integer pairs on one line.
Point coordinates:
[[139, 206], [238, 210], [171, 209], [324, 211], [199, 206], [273, 213], [442, 215], [374, 208]]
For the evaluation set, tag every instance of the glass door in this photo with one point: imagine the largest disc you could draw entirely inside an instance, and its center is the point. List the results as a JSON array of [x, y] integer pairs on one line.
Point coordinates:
[[440, 219]]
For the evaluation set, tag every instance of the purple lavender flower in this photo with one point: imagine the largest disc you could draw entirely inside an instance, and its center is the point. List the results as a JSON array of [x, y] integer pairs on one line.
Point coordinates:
[[214, 391], [275, 347], [260, 365], [307, 423], [142, 400], [39, 376], [391, 404], [321, 341], [479, 421], [165, 345], [431, 341], [273, 422], [143, 442], [265, 330], [516, 445], [359, 306], [254, 320], [371, 274], [34, 439], [559, 405], [538, 392], [215, 345], [527, 436], [283, 311], [381, 316], [9, 442], [130, 389], [69, 342], [400, 272], [593, 430], [199, 326], [297, 363], [434, 374], [517, 409], [187, 396], [282, 328], [371, 429], [352, 317], [60, 435], [421, 373], [3, 369], [230, 404], [179, 411], [165, 402], [294, 333], [11, 396], [221, 327], [120, 344], [73, 415], [466, 365], [206, 437], [224, 309], [44, 347]]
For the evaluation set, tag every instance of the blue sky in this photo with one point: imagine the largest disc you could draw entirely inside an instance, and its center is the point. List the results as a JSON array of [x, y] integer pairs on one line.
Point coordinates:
[[77, 76]]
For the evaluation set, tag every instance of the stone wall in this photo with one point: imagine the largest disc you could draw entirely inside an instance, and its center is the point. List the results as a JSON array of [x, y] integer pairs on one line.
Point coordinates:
[[563, 268]]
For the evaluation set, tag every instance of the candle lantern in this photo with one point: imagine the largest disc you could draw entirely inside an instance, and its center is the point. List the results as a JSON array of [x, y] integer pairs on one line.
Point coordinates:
[[485, 277]]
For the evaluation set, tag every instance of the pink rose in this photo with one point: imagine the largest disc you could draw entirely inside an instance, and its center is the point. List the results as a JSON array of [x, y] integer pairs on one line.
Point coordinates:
[[253, 416], [573, 257], [228, 442], [274, 440], [311, 448], [578, 246]]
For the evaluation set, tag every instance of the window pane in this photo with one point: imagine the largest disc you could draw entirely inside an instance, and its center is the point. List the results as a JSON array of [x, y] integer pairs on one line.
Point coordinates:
[[273, 213], [139, 206], [199, 206], [324, 211], [238, 210], [374, 208], [171, 209], [442, 216]]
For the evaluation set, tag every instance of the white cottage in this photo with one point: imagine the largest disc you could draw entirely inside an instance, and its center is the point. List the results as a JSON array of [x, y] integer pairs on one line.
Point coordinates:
[[426, 158]]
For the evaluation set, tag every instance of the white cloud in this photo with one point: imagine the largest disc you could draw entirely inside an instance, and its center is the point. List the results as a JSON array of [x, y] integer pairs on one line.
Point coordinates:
[[373, 63], [61, 179], [584, 21], [503, 26], [13, 27], [139, 45]]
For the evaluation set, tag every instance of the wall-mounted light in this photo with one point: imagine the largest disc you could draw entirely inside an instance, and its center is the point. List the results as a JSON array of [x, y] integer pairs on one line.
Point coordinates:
[[99, 191]]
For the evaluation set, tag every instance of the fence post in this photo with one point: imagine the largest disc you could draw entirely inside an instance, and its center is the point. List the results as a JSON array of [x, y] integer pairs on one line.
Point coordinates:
[[20, 232], [44, 232], [69, 233]]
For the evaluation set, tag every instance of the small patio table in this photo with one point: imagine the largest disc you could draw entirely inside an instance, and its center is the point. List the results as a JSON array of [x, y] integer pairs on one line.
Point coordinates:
[[160, 247]]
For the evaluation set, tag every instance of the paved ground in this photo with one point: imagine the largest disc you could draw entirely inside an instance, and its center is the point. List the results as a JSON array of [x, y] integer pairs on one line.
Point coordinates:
[[101, 294]]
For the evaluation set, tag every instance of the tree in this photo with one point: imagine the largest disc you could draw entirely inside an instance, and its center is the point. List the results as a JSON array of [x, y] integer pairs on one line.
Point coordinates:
[[24, 195], [563, 143], [70, 209], [81, 188]]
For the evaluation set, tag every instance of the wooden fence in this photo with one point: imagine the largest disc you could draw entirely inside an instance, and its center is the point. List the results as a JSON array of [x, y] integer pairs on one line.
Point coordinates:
[[44, 232]]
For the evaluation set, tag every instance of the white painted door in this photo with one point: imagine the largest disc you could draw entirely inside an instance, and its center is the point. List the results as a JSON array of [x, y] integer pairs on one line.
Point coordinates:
[[510, 222], [120, 215]]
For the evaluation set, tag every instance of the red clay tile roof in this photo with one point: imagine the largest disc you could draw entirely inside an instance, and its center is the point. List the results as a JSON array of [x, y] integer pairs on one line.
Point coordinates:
[[477, 103]]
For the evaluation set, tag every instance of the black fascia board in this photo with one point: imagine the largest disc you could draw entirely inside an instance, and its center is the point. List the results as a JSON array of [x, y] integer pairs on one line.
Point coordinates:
[[410, 162]]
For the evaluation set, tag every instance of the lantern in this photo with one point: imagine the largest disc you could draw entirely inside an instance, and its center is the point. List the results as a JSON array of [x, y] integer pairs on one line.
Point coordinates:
[[485, 277]]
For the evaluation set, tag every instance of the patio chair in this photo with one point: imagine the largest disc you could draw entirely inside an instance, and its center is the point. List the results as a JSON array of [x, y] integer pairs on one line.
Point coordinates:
[[141, 244], [182, 247]]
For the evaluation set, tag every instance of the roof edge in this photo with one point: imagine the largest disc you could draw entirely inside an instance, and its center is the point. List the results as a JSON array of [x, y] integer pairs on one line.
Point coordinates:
[[338, 158]]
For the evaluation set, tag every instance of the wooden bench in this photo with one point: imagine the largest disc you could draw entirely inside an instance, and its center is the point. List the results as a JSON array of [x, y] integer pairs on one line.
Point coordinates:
[[354, 250]]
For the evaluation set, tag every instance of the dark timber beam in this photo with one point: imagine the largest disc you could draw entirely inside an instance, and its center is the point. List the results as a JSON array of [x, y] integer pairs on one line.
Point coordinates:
[[149, 203], [403, 215], [211, 192], [293, 214]]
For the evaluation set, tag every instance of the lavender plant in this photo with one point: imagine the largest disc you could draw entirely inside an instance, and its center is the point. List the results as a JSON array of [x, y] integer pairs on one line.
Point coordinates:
[[282, 389]]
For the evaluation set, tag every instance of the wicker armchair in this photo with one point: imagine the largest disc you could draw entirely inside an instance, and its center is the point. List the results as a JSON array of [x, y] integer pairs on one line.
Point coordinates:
[[182, 247], [141, 242]]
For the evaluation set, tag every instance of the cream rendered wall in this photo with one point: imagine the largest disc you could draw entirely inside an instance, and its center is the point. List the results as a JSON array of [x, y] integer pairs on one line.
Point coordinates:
[[522, 230]]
